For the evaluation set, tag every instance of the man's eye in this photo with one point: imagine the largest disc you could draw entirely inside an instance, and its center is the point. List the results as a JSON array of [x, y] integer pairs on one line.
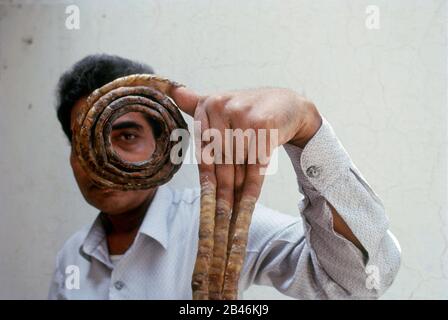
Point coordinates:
[[127, 136]]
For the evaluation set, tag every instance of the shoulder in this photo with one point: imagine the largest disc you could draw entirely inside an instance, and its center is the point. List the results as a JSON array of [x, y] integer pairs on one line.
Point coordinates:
[[66, 257], [70, 249]]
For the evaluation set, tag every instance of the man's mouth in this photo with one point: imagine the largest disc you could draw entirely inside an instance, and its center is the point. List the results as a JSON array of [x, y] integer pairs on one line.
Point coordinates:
[[95, 188]]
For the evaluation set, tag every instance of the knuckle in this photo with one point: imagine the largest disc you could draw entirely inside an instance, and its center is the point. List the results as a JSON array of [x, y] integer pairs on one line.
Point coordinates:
[[224, 190], [252, 188], [216, 103], [238, 108], [260, 121], [239, 187], [224, 179]]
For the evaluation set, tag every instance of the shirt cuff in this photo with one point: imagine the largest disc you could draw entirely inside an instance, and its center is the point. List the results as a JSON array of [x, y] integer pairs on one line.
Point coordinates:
[[325, 170], [322, 161]]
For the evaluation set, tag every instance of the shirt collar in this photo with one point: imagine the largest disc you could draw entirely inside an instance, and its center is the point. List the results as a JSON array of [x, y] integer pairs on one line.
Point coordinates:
[[94, 244], [155, 225], [156, 221]]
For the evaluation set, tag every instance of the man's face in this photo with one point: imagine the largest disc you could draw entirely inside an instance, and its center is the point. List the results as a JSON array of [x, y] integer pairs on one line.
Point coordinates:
[[133, 140]]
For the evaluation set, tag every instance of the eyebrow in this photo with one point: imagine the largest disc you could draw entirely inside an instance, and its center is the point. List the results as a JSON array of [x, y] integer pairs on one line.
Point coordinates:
[[127, 125]]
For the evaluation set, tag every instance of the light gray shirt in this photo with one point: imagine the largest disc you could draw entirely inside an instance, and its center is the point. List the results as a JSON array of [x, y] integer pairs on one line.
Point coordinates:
[[302, 257]]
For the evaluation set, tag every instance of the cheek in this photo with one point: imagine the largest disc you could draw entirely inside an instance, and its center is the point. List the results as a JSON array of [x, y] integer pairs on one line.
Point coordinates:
[[78, 171], [115, 202]]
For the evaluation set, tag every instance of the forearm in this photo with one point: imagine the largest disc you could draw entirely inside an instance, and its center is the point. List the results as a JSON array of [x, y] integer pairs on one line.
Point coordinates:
[[311, 126], [348, 227]]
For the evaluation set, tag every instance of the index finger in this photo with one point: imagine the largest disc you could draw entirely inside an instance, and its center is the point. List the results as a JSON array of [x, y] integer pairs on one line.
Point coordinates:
[[186, 99]]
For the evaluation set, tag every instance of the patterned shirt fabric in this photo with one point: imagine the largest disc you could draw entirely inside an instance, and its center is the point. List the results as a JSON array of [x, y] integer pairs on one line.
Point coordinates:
[[302, 257]]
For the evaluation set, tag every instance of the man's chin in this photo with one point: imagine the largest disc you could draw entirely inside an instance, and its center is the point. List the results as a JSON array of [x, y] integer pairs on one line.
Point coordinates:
[[108, 201], [115, 201]]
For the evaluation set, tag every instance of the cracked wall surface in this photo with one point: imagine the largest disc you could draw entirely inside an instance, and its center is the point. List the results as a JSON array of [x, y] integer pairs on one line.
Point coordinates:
[[383, 90]]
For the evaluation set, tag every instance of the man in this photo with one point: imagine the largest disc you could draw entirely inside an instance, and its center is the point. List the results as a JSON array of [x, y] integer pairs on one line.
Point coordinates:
[[143, 243]]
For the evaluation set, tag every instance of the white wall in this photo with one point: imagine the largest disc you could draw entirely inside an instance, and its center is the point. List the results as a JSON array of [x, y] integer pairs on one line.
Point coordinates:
[[383, 90]]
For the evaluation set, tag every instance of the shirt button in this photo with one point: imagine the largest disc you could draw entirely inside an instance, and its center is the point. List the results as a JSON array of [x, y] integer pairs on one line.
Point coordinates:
[[313, 171], [119, 285]]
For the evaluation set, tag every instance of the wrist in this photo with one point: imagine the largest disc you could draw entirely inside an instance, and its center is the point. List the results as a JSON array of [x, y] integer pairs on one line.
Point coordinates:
[[309, 127]]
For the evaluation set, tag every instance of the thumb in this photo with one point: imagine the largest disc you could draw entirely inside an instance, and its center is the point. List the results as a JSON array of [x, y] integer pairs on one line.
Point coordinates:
[[186, 99]]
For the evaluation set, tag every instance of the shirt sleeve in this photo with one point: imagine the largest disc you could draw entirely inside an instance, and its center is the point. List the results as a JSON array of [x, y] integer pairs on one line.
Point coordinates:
[[305, 258]]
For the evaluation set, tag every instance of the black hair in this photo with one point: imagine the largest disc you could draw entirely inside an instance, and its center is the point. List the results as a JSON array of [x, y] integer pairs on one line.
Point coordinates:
[[88, 74]]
